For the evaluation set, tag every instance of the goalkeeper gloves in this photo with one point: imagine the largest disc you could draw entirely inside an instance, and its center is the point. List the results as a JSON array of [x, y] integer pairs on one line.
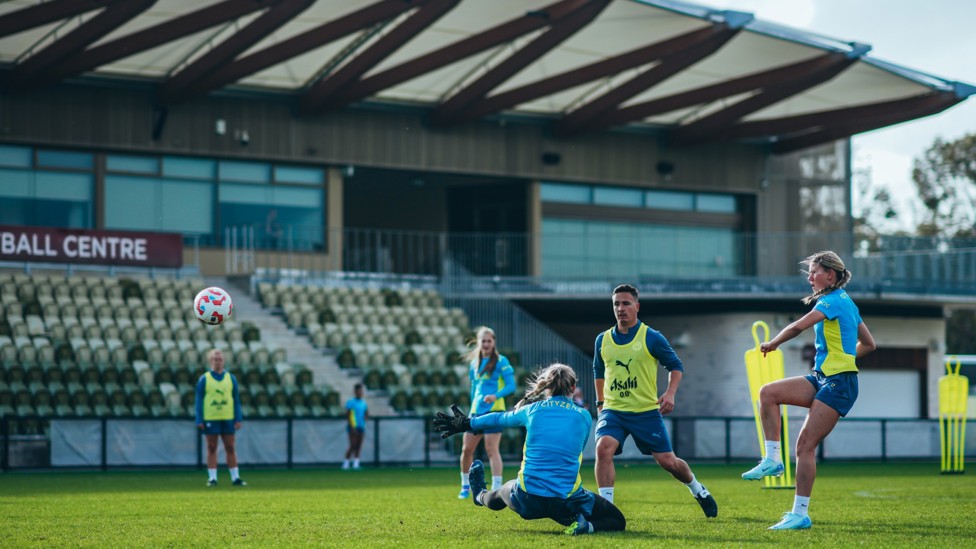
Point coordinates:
[[448, 425]]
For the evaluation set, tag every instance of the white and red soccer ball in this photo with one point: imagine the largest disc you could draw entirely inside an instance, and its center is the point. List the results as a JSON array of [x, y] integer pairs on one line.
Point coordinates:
[[213, 305]]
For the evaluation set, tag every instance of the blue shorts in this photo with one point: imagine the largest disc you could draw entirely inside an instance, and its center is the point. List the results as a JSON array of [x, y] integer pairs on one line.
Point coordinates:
[[218, 427], [488, 431], [647, 428], [838, 391]]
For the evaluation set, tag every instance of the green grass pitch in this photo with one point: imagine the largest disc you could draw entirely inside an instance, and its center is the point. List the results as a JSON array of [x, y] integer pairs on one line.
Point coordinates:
[[858, 504]]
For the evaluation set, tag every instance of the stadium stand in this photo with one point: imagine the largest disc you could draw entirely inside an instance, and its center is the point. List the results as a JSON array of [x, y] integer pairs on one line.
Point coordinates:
[[108, 346]]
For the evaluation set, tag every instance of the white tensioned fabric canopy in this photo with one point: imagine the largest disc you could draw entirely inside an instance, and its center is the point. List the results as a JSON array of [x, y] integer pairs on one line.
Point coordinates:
[[697, 73]]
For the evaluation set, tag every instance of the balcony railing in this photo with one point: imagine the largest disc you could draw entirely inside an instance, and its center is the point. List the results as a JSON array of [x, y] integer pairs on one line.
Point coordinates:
[[543, 263]]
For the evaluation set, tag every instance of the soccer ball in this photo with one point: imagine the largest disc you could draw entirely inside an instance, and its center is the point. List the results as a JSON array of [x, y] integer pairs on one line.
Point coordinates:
[[213, 305]]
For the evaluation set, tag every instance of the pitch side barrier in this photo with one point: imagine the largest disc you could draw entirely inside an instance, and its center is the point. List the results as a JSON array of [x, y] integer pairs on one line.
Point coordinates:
[[118, 442]]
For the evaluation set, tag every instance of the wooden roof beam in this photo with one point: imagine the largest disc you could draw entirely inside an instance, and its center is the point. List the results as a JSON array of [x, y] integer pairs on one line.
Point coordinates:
[[77, 39], [702, 128], [145, 39], [451, 110], [299, 44], [318, 96], [456, 51], [185, 82], [589, 116]]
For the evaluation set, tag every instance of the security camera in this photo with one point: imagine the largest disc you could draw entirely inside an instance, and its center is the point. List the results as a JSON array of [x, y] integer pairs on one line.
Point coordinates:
[[242, 137]]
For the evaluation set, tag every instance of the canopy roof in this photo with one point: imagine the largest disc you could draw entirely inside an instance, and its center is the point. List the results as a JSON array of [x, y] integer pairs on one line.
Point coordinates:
[[587, 65]]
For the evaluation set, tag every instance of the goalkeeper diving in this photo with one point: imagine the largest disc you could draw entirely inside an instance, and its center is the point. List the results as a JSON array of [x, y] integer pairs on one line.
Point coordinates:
[[548, 484]]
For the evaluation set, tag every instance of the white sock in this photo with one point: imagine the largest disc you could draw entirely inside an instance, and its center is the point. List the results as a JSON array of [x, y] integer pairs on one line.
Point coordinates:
[[774, 451], [465, 482], [496, 482], [345, 464], [607, 493], [694, 486], [355, 463], [212, 473], [801, 505], [235, 473]]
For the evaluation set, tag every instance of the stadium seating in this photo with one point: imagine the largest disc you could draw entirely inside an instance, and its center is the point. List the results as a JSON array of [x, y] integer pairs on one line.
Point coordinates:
[[106, 346]]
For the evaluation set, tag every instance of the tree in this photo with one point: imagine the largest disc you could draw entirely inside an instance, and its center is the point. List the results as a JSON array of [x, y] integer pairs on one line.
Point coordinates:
[[945, 177]]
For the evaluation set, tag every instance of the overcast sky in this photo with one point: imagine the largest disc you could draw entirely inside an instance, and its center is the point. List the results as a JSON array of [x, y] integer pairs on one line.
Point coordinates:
[[934, 36]]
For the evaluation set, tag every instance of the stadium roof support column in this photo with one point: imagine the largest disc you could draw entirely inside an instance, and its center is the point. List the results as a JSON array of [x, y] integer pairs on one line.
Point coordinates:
[[456, 51], [181, 84], [703, 128], [315, 98], [297, 45], [558, 31], [145, 39]]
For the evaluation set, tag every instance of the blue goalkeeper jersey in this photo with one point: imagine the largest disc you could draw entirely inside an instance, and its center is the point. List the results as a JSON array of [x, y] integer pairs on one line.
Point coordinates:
[[556, 432]]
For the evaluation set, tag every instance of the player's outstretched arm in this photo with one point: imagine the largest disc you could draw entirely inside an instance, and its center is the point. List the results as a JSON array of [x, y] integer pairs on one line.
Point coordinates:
[[448, 425]]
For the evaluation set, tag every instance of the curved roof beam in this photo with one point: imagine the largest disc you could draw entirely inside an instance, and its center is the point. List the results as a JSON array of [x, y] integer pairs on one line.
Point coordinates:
[[583, 118], [456, 51], [854, 120], [316, 98], [450, 110], [680, 100], [145, 39], [182, 84], [702, 128], [587, 73], [298, 44], [47, 12], [110, 18], [784, 126]]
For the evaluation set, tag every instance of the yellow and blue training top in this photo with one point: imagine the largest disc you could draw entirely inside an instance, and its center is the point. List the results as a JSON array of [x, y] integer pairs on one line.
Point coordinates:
[[500, 382], [836, 335], [628, 365]]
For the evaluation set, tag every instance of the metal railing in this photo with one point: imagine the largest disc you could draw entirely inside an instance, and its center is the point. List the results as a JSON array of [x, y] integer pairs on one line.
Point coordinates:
[[503, 262]]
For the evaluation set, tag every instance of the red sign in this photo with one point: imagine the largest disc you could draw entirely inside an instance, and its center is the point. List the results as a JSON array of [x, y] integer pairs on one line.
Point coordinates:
[[53, 245]]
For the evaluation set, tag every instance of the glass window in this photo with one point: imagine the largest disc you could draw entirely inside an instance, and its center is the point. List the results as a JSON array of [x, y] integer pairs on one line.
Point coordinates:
[[18, 157], [670, 200], [632, 251], [245, 172], [299, 174], [717, 203], [616, 196], [280, 216], [65, 159], [16, 183], [189, 168], [573, 194], [132, 164], [152, 204]]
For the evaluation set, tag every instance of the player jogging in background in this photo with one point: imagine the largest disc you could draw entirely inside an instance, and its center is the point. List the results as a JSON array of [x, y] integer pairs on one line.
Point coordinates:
[[492, 379], [356, 414], [549, 483], [625, 361], [840, 338], [218, 411]]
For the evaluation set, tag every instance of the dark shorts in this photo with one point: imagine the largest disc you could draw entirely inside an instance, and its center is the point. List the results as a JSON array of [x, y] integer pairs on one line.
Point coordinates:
[[350, 429], [838, 391], [563, 511], [489, 431], [647, 428], [218, 427]]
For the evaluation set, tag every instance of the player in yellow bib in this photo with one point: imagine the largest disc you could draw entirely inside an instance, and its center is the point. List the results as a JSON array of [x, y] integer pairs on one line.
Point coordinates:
[[625, 362], [218, 411]]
